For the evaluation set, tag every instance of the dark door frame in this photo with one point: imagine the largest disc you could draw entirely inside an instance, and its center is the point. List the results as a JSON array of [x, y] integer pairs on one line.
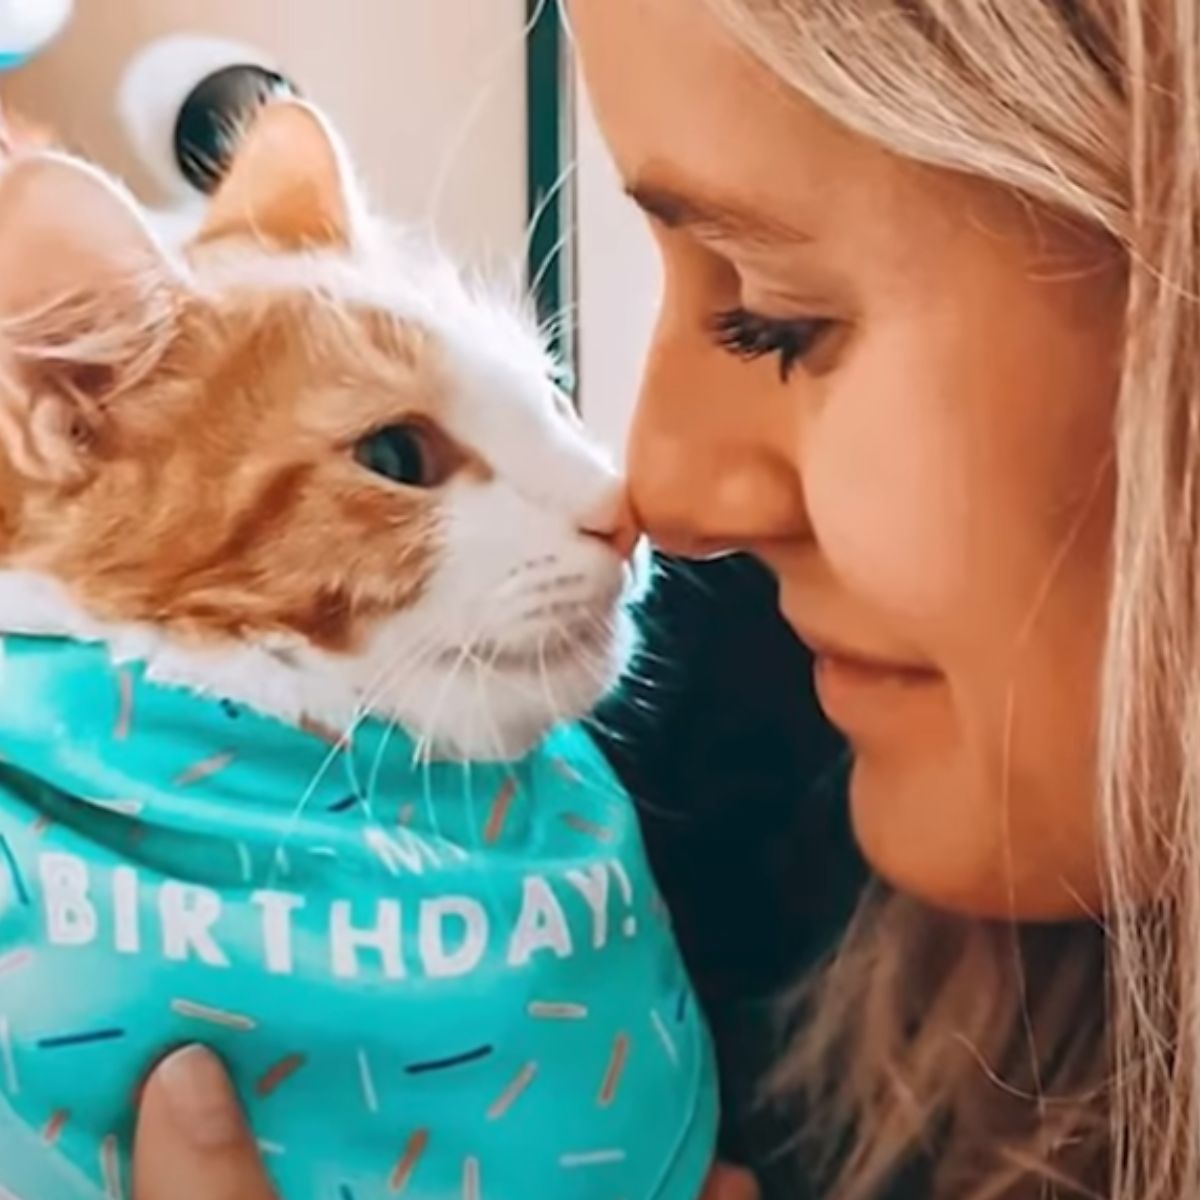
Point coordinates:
[[550, 265]]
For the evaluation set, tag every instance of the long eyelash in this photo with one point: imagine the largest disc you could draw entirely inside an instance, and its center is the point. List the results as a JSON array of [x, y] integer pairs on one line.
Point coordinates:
[[752, 336]]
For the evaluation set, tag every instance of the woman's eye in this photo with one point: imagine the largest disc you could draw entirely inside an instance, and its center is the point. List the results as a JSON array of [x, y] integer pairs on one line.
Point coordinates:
[[752, 336], [400, 453]]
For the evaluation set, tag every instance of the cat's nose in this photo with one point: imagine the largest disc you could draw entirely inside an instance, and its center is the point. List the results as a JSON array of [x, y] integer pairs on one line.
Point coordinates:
[[612, 520]]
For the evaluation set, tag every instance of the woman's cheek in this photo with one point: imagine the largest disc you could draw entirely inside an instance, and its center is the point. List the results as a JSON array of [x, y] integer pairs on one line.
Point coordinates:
[[891, 505]]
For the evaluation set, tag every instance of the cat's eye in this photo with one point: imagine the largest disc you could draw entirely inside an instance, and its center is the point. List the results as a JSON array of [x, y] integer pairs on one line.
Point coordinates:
[[403, 454]]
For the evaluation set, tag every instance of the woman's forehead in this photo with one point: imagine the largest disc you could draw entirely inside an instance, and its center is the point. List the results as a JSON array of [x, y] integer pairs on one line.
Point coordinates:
[[705, 136], [675, 92]]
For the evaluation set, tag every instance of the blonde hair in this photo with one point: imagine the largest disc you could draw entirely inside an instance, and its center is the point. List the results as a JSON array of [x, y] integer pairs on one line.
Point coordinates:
[[1021, 1062]]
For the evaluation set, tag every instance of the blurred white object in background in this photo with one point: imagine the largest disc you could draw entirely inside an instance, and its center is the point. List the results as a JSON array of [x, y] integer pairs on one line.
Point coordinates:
[[176, 92], [26, 26]]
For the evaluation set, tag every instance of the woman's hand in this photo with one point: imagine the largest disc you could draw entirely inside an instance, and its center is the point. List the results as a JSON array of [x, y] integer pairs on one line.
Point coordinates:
[[727, 1184], [192, 1141]]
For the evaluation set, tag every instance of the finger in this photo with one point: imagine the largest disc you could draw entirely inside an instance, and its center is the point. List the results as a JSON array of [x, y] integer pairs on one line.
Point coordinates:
[[726, 1183], [192, 1139]]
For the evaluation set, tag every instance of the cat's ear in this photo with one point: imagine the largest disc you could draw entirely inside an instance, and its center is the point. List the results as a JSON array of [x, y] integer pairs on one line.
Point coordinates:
[[88, 304], [289, 185]]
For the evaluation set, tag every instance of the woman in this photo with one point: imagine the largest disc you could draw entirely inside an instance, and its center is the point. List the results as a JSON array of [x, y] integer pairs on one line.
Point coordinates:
[[929, 350]]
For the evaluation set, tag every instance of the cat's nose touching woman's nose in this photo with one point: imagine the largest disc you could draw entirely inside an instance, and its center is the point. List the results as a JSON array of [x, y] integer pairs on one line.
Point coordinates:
[[612, 520]]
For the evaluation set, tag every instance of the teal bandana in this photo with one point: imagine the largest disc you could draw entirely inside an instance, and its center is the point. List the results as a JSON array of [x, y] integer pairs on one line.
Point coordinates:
[[437, 981]]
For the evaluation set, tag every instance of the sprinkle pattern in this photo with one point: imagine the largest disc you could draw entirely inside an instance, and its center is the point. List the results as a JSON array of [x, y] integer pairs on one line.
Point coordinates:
[[499, 814], [367, 1081], [513, 1092], [213, 1016], [446, 1064], [8, 1062], [588, 828], [592, 1158], [326, 733], [110, 1168], [615, 1070], [53, 1128], [15, 960], [544, 1010], [205, 769], [271, 1080], [85, 1037], [470, 1183], [404, 1169]]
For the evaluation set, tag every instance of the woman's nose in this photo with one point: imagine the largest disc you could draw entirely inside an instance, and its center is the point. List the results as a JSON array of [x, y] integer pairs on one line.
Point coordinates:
[[612, 520], [713, 463], [699, 499]]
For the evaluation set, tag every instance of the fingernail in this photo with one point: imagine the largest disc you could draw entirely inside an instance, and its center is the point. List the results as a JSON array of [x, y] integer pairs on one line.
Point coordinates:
[[201, 1099]]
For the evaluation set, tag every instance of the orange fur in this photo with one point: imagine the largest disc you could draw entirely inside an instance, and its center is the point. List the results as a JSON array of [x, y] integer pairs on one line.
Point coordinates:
[[228, 503]]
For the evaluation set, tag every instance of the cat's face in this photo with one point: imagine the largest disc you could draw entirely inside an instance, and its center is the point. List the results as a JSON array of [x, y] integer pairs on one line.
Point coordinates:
[[305, 438]]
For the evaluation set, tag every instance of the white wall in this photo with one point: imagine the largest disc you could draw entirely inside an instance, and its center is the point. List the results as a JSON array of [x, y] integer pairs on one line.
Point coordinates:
[[619, 287], [401, 78]]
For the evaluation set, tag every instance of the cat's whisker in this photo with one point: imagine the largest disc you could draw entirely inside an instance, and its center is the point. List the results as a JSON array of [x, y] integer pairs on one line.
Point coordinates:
[[424, 743], [404, 664], [343, 745], [544, 205], [547, 263], [362, 712], [688, 572], [560, 323], [456, 144], [482, 669], [463, 656], [568, 309], [552, 704]]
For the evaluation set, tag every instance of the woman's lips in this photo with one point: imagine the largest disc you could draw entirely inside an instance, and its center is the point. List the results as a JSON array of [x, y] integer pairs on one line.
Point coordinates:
[[858, 688], [850, 657], [872, 700], [870, 670]]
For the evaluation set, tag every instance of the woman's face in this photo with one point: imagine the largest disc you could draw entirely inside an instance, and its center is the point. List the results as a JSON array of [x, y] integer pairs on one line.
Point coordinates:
[[894, 387]]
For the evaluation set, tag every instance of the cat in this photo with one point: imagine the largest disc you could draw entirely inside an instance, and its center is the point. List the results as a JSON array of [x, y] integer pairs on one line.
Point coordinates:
[[293, 520], [296, 462]]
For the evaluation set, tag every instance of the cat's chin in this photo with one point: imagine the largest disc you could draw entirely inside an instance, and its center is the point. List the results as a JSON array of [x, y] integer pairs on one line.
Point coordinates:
[[501, 714]]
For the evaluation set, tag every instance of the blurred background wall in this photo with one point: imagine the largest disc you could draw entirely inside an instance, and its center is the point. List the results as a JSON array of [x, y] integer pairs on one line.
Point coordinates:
[[429, 93]]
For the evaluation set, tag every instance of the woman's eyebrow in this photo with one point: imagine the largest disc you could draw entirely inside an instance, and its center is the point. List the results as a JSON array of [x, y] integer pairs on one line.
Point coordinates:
[[712, 217]]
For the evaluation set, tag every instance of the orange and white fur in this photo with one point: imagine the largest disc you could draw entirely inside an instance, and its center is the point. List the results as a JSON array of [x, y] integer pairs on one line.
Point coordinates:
[[295, 462]]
